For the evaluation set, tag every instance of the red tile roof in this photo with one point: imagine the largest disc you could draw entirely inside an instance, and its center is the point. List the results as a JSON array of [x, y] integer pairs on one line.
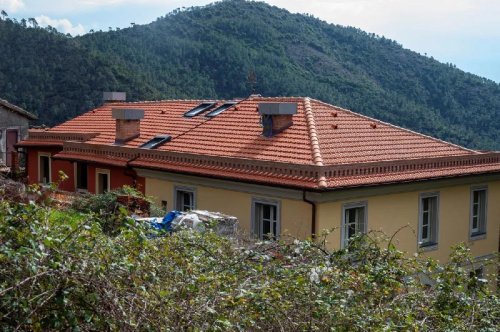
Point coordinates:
[[323, 140]]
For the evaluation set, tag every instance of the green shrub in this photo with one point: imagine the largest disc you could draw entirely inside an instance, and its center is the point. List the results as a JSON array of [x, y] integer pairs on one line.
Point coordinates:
[[111, 208], [60, 271]]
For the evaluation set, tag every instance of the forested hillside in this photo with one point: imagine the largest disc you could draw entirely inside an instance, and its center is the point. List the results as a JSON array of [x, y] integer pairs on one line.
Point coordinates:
[[208, 52]]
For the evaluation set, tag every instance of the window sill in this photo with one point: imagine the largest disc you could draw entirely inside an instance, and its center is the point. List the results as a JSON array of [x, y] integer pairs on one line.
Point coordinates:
[[477, 236], [428, 246]]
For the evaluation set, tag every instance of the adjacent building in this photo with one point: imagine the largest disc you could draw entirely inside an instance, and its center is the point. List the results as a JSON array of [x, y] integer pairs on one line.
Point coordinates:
[[14, 124], [283, 166]]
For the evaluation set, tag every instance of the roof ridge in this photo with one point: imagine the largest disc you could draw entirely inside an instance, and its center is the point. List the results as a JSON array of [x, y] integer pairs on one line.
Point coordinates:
[[159, 101], [395, 126], [313, 135]]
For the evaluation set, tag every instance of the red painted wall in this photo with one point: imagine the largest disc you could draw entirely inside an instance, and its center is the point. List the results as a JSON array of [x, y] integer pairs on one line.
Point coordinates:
[[119, 176], [69, 169], [32, 164]]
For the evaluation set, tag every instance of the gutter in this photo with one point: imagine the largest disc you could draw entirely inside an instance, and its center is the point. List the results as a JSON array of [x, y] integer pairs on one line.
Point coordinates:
[[313, 214]]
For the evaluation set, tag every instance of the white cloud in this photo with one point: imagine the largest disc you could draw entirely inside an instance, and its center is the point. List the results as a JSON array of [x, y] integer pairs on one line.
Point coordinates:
[[62, 25], [11, 5], [91, 5]]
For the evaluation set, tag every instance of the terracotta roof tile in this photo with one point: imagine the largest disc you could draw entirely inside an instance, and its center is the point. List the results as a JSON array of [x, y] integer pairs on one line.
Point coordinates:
[[107, 160], [322, 135]]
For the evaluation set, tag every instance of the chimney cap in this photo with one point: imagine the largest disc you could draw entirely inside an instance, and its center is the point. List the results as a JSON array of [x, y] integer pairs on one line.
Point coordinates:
[[127, 114], [114, 96], [278, 108]]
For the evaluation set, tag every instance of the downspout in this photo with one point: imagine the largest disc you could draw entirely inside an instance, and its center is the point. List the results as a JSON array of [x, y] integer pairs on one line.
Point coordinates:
[[313, 214]]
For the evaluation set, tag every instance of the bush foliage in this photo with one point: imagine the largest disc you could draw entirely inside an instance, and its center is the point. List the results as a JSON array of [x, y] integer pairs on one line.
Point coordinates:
[[60, 271]]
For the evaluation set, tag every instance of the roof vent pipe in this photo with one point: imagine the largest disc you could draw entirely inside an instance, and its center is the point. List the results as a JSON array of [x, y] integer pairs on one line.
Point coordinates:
[[114, 96], [128, 124], [276, 117]]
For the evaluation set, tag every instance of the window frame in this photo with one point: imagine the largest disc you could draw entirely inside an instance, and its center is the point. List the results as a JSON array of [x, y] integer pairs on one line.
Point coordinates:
[[102, 171], [156, 142], [81, 190], [348, 206], [48, 155], [192, 190], [253, 216], [197, 110], [221, 109], [433, 229], [481, 234]]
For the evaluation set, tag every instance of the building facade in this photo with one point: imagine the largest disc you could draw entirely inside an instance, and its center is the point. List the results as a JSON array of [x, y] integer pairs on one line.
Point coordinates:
[[14, 124], [285, 167]]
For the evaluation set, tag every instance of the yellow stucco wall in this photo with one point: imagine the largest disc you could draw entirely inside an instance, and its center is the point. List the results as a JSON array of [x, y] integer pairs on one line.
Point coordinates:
[[295, 214], [388, 213]]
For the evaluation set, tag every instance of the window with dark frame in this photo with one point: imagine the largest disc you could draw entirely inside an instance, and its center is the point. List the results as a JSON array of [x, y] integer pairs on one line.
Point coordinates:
[[81, 176], [199, 109], [44, 171], [478, 212], [220, 109], [156, 142], [102, 183], [266, 221], [428, 220], [184, 200], [354, 221]]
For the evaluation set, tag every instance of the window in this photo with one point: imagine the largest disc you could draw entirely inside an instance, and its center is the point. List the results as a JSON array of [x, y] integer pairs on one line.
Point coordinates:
[[44, 168], [265, 217], [102, 181], [199, 109], [478, 212], [185, 199], [428, 220], [220, 109], [81, 176], [156, 142], [353, 220]]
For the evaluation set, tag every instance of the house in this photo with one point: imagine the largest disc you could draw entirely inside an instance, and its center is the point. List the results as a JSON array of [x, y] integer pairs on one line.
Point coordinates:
[[14, 124], [291, 166]]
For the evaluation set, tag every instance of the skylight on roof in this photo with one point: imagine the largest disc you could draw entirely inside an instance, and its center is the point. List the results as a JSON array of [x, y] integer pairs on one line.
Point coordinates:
[[156, 142], [199, 109], [220, 109]]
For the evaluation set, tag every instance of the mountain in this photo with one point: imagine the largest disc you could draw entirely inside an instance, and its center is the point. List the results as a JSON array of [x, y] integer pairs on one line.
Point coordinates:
[[208, 52]]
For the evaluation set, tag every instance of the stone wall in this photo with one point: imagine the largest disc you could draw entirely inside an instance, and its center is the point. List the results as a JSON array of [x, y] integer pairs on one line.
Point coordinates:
[[11, 120]]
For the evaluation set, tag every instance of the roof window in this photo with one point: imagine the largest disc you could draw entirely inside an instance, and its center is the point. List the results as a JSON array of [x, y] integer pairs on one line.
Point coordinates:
[[220, 109], [156, 142], [199, 109]]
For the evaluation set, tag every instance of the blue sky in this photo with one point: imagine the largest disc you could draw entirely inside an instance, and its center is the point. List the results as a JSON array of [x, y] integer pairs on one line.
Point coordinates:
[[463, 32]]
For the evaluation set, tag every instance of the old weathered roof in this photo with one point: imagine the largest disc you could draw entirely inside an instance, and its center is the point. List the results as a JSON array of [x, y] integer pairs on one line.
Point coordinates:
[[326, 147], [17, 109]]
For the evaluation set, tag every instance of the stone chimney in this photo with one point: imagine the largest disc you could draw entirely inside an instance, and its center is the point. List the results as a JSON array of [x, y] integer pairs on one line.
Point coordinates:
[[114, 96], [128, 124], [276, 117]]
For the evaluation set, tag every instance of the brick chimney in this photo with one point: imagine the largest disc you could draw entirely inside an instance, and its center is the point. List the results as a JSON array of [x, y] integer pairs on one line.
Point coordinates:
[[128, 124], [276, 117]]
